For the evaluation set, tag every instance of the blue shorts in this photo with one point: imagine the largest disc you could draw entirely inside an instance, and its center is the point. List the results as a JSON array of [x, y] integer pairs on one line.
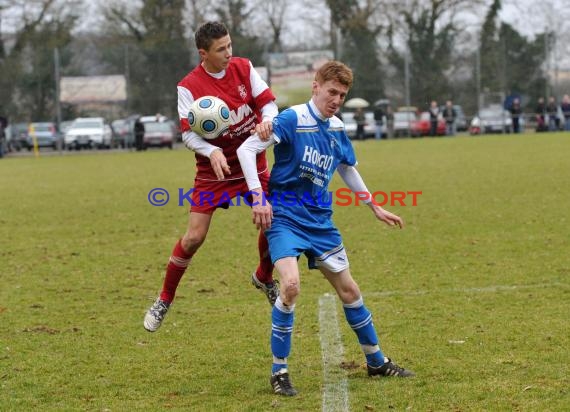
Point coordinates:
[[322, 246]]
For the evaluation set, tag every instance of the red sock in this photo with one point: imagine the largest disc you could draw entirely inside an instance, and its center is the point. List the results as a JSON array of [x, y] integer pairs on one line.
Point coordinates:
[[177, 265], [264, 271]]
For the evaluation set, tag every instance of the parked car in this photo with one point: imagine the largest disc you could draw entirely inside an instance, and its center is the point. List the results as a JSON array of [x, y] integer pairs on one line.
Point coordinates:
[[492, 119], [460, 120], [408, 109], [88, 132], [161, 134], [64, 126], [422, 125], [350, 124], [153, 118], [403, 121], [17, 136], [121, 132], [44, 134]]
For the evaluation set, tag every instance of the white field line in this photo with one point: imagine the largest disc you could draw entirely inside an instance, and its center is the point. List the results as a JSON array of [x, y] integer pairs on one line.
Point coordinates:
[[335, 392], [486, 289]]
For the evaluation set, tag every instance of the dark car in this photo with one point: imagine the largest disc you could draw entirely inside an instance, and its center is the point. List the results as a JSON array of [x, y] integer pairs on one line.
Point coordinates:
[[17, 136], [121, 132]]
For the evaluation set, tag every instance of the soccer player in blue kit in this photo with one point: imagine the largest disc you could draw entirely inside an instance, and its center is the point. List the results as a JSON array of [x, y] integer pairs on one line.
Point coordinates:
[[310, 144]]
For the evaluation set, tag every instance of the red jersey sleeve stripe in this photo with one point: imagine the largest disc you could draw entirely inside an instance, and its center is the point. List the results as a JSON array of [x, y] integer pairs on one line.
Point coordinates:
[[184, 125], [265, 97]]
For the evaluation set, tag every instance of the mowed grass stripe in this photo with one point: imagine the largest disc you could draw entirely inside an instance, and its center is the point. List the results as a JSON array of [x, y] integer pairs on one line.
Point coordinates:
[[335, 385]]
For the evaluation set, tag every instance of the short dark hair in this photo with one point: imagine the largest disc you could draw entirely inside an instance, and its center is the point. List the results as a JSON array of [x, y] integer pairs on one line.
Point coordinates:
[[208, 32]]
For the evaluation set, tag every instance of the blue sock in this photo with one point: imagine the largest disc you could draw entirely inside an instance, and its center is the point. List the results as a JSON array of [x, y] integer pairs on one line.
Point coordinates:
[[282, 318], [360, 320]]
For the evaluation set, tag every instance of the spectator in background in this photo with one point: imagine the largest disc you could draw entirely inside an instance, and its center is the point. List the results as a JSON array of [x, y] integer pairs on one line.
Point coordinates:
[[360, 120], [433, 117], [389, 122], [540, 114], [516, 113], [379, 122], [139, 134], [552, 111], [449, 114], [565, 106], [3, 126]]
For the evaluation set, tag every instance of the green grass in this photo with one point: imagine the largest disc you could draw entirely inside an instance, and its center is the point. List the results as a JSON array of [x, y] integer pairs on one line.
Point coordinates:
[[483, 260]]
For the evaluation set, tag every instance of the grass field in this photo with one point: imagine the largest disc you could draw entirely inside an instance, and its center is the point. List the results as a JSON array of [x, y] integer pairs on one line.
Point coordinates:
[[473, 295]]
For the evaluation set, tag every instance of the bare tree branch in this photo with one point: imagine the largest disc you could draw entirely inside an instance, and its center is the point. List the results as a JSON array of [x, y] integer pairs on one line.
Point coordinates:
[[119, 14]]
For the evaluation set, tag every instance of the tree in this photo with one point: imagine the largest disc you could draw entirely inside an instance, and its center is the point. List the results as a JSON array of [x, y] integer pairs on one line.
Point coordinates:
[[235, 15], [274, 13], [510, 64], [27, 66], [359, 45], [156, 38], [491, 60], [523, 60], [429, 30]]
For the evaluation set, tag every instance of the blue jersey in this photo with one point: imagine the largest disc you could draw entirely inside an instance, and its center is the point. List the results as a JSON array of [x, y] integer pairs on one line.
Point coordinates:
[[307, 153]]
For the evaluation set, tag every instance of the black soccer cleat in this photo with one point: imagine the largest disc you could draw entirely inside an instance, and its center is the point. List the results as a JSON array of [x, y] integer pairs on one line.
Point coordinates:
[[281, 384], [389, 368], [271, 290]]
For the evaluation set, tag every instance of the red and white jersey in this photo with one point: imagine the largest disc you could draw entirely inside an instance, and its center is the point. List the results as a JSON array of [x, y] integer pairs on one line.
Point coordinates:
[[245, 93]]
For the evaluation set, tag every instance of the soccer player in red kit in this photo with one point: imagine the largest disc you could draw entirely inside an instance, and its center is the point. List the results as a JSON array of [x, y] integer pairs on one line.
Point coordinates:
[[219, 174]]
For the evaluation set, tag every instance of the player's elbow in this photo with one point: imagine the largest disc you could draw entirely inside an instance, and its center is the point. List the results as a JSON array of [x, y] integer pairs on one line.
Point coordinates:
[[241, 153]]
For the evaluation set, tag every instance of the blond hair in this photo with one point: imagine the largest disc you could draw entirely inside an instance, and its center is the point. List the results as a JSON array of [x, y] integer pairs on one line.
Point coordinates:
[[336, 71]]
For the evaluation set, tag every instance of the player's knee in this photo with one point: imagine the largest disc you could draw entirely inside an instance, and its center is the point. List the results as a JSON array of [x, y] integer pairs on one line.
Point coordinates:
[[349, 293], [192, 241], [291, 289]]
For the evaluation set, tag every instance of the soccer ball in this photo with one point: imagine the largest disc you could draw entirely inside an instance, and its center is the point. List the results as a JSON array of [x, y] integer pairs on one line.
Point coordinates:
[[209, 116]]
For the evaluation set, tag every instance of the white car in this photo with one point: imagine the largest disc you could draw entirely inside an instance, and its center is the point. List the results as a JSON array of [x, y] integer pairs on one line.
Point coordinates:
[[88, 132], [403, 122], [350, 124], [495, 119]]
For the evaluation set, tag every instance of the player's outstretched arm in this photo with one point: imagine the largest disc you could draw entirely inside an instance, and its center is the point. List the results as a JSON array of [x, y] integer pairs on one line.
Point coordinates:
[[385, 216], [354, 181]]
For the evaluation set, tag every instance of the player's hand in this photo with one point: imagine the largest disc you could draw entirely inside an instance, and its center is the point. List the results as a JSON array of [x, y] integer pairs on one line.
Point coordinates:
[[387, 217], [262, 211], [263, 130], [219, 164]]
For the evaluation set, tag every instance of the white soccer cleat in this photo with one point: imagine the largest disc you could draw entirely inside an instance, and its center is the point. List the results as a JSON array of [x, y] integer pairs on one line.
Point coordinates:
[[155, 315]]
